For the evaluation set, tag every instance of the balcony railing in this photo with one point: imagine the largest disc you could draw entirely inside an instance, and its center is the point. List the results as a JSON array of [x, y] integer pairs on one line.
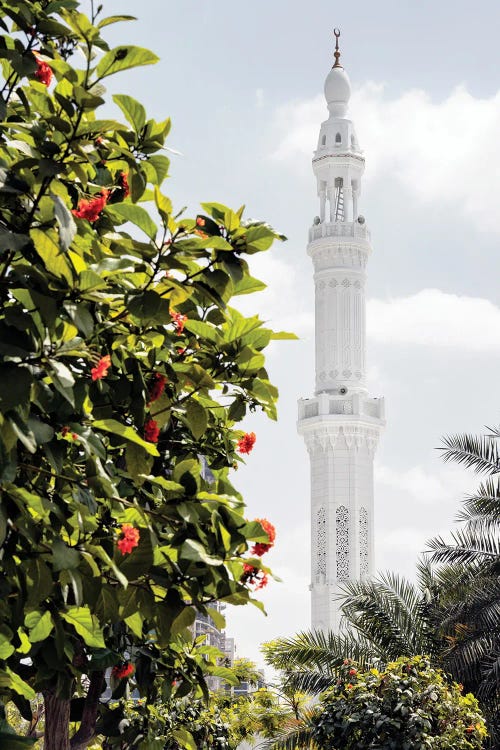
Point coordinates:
[[339, 229]]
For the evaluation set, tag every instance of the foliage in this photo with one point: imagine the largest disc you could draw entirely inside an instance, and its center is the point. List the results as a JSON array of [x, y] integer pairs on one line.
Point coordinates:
[[406, 706], [174, 725], [469, 567], [123, 375], [383, 618]]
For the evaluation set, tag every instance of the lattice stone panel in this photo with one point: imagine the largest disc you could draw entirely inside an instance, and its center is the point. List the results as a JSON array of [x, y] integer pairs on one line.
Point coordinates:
[[363, 542], [342, 536], [321, 542]]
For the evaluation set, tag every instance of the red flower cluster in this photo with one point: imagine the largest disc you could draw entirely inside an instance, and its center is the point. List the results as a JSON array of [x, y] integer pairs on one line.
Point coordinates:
[[200, 221], [254, 576], [247, 442], [129, 539], [151, 431], [91, 209], [65, 431], [102, 367], [43, 72], [123, 183], [157, 387], [124, 670], [353, 672], [259, 548], [178, 321]]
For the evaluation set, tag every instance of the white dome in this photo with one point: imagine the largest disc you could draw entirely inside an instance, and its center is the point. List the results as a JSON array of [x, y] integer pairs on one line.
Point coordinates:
[[337, 91]]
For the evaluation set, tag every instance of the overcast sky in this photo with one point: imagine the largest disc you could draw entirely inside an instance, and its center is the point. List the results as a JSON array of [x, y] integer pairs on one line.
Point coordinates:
[[243, 84]]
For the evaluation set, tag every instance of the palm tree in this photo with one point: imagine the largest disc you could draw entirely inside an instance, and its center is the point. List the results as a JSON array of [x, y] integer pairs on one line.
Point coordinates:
[[469, 566]]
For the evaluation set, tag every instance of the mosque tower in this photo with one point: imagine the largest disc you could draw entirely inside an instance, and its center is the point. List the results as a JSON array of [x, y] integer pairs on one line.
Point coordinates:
[[341, 423]]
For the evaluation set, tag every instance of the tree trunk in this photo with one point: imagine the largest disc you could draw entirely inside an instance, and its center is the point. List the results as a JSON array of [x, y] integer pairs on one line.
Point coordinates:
[[86, 731], [56, 736]]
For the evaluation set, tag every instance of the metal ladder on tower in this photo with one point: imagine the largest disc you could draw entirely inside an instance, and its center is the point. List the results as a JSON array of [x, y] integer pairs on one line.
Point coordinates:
[[339, 204]]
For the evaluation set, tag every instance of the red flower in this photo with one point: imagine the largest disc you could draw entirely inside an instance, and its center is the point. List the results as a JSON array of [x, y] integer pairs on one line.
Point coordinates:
[[259, 548], [91, 209], [349, 686], [181, 350], [124, 670], [43, 72], [200, 221], [157, 387], [102, 367], [151, 431], [123, 183], [247, 442], [129, 539], [353, 672], [178, 321], [254, 576]]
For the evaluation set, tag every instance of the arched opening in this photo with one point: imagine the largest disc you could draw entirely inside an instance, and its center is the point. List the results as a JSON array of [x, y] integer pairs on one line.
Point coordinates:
[[353, 141], [323, 140], [338, 138]]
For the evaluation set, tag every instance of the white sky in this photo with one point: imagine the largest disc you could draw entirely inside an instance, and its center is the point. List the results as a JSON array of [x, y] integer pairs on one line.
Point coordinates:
[[243, 84]]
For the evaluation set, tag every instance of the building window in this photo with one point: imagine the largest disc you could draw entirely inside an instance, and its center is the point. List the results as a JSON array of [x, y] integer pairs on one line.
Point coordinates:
[[353, 142], [363, 542], [338, 138], [342, 535], [323, 140], [321, 542]]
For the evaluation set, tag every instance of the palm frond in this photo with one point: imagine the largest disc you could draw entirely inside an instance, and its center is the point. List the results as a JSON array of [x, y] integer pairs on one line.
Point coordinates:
[[386, 612], [475, 452], [295, 736], [467, 547], [481, 510]]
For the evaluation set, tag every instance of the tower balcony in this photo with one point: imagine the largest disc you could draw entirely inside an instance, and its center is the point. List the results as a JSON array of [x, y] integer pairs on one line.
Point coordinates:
[[353, 406], [339, 229]]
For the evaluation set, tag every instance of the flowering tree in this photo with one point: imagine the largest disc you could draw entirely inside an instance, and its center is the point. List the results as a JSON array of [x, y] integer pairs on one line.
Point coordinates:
[[123, 372]]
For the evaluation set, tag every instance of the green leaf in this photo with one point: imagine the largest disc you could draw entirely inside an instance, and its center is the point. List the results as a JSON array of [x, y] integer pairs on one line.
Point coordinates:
[[64, 557], [123, 58], [122, 212], [12, 681], [114, 19], [15, 385], [193, 550], [85, 625], [139, 463], [259, 238], [127, 433], [133, 111], [48, 249], [196, 417], [40, 625], [11, 741], [67, 226], [217, 617], [184, 738], [62, 379], [284, 336], [6, 646], [248, 285], [184, 620]]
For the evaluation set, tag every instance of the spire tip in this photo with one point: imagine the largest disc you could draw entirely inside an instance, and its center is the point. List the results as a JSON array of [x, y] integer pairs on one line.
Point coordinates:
[[336, 54]]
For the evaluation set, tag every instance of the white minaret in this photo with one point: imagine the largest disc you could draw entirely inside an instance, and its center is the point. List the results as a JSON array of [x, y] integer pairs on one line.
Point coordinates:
[[341, 423]]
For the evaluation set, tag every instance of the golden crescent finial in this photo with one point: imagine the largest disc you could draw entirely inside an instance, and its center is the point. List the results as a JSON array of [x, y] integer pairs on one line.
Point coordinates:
[[336, 54]]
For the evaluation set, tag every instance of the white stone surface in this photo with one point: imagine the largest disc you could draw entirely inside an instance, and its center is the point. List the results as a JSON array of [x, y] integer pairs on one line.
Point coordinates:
[[341, 423]]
